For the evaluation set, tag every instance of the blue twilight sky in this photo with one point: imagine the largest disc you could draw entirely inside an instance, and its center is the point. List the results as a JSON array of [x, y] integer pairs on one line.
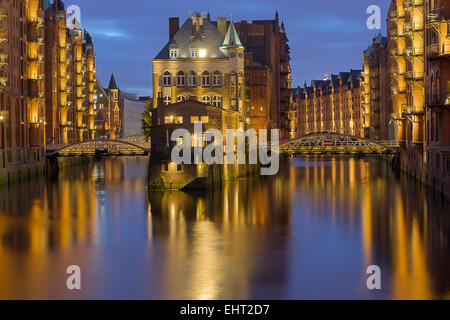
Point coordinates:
[[324, 35]]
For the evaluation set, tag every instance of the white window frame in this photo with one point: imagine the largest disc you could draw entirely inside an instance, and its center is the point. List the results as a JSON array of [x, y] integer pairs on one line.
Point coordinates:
[[193, 53], [181, 98], [206, 84], [217, 101], [173, 53], [181, 79], [217, 79], [207, 99], [167, 100], [192, 79], [167, 79]]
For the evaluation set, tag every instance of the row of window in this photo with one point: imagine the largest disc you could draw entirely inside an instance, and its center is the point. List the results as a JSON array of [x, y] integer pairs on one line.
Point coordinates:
[[211, 100], [179, 119], [180, 79], [193, 52]]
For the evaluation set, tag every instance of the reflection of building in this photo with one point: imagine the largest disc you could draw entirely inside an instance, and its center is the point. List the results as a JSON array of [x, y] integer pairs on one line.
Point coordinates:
[[70, 80], [331, 105], [375, 90], [267, 74], [22, 119], [203, 60]]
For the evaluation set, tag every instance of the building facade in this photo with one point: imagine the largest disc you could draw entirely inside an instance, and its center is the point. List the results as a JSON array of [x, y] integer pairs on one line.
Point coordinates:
[[267, 74], [22, 114], [332, 105], [375, 91], [419, 42], [70, 79], [202, 61]]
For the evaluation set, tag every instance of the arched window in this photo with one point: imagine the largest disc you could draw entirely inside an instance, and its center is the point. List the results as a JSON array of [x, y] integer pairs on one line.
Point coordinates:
[[167, 79], [192, 79], [206, 79], [181, 98], [217, 79], [181, 79], [167, 100], [206, 99], [217, 101]]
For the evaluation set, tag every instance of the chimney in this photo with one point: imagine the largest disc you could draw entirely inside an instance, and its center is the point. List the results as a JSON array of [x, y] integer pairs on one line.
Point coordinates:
[[174, 25], [222, 25]]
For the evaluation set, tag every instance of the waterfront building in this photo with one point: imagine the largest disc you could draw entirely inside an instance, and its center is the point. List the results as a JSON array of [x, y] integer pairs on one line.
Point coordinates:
[[114, 108], [437, 93], [201, 61], [375, 91], [183, 115], [267, 74], [22, 112], [70, 79], [420, 82], [331, 105]]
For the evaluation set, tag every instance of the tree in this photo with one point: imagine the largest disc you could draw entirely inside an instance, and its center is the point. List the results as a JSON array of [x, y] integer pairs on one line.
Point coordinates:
[[147, 119]]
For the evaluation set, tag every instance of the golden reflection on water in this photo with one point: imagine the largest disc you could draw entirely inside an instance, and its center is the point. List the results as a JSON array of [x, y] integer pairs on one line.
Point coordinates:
[[257, 238]]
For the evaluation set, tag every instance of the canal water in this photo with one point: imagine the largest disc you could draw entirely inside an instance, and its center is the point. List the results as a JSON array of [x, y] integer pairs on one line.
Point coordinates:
[[310, 232]]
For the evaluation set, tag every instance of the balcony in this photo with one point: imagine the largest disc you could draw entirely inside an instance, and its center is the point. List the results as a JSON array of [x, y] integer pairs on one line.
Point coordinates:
[[438, 50], [38, 22], [36, 38], [412, 110], [410, 4], [436, 15], [411, 75], [412, 27], [416, 51], [3, 82], [2, 12], [3, 59], [36, 58]]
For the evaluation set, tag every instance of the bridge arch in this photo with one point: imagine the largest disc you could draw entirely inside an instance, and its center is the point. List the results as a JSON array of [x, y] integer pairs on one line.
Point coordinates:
[[108, 146], [331, 142]]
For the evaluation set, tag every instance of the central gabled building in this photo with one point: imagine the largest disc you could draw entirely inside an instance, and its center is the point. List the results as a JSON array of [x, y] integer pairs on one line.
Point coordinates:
[[204, 61]]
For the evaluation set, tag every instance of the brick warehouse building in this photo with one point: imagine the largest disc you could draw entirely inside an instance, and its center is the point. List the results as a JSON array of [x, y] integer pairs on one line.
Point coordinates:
[[331, 105], [268, 74], [22, 114], [47, 83], [70, 79]]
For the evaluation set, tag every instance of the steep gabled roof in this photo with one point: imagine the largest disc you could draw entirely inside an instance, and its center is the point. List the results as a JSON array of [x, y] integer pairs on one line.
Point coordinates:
[[187, 36]]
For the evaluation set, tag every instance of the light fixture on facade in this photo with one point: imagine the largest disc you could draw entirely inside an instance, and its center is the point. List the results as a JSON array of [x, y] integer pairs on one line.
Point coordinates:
[[202, 53]]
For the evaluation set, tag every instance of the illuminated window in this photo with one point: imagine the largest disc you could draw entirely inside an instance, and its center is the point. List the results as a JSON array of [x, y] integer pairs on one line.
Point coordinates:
[[195, 119], [192, 79], [168, 119], [180, 140], [167, 79], [206, 79], [205, 119], [217, 79], [206, 99], [167, 100], [179, 119]]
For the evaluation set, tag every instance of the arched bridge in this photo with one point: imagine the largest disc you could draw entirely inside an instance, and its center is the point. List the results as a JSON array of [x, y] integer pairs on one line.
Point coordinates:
[[99, 147], [330, 142]]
